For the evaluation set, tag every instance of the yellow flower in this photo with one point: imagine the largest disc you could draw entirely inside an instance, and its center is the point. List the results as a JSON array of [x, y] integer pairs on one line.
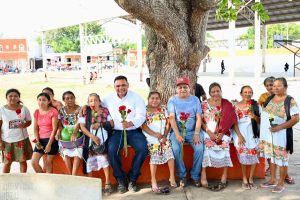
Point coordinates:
[[155, 118], [155, 147], [271, 116]]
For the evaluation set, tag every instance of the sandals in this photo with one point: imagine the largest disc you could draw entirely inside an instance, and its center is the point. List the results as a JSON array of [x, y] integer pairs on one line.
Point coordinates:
[[220, 186], [267, 185], [246, 186], [107, 189], [289, 180], [159, 190], [253, 186], [278, 189]]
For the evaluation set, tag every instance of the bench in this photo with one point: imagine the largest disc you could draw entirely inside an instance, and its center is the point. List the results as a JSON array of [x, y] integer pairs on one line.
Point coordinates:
[[162, 173]]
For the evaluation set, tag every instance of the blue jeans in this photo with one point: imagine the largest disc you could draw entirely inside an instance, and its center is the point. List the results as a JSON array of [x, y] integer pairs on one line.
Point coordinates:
[[137, 140], [198, 155]]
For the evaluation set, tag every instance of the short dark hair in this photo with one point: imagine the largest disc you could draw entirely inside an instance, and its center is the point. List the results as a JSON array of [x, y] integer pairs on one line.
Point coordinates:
[[215, 84], [269, 79], [49, 89], [67, 92], [121, 77]]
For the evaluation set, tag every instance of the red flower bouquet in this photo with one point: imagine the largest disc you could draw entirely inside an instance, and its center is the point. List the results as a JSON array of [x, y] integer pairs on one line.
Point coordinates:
[[183, 118], [124, 113]]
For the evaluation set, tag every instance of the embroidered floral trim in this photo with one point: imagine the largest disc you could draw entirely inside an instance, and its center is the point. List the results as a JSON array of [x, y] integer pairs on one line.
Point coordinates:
[[246, 159], [277, 152], [209, 161], [157, 148], [245, 151], [209, 144], [158, 115]]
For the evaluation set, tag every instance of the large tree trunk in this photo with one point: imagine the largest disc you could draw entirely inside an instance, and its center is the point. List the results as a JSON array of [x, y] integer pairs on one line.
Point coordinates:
[[175, 30]]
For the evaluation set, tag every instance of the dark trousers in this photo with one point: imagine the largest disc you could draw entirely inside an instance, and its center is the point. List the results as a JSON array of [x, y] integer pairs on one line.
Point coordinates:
[[137, 140]]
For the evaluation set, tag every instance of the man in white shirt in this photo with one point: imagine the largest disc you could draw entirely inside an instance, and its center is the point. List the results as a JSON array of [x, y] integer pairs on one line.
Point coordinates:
[[135, 137]]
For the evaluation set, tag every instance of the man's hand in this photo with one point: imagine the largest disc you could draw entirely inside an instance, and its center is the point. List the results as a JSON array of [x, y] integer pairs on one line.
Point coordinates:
[[126, 124], [196, 139], [179, 139]]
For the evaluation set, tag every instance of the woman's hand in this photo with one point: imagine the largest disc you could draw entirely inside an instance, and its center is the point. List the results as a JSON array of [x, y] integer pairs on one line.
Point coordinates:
[[158, 135], [196, 139], [163, 140], [95, 126], [48, 148], [73, 137], [241, 141], [211, 135], [96, 140], [275, 129], [57, 136]]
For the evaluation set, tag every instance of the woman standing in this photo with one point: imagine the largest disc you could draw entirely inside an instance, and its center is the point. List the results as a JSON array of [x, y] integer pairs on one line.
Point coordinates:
[[14, 140], [279, 114], [156, 129], [268, 83], [185, 119], [68, 116], [45, 126], [247, 111], [218, 117]]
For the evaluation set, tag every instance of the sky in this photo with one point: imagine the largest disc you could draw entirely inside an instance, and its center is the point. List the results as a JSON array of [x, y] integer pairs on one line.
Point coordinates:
[[23, 17]]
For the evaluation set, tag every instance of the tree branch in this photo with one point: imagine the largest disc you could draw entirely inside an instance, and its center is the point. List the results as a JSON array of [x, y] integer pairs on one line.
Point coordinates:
[[160, 17]]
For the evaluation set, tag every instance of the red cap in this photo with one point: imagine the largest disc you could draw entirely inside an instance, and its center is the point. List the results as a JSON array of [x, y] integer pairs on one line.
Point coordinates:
[[183, 80]]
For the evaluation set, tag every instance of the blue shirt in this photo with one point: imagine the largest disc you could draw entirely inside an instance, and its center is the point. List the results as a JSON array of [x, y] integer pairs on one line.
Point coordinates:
[[190, 105]]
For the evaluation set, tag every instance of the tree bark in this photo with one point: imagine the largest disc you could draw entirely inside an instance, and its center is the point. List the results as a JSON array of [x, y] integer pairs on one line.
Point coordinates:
[[175, 31]]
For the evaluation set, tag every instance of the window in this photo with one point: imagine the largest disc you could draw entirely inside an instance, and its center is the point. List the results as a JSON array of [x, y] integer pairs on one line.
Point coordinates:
[[7, 47], [21, 47], [15, 47], [1, 48]]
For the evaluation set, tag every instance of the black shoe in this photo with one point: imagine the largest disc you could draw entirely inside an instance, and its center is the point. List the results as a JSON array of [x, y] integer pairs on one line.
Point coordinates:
[[196, 183], [183, 182], [132, 186], [122, 188]]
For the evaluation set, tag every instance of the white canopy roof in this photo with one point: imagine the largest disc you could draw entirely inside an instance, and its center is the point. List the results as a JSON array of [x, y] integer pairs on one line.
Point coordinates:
[[28, 16]]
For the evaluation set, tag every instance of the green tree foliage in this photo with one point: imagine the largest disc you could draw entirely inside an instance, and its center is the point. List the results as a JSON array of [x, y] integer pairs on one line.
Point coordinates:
[[292, 30], [67, 39], [226, 13]]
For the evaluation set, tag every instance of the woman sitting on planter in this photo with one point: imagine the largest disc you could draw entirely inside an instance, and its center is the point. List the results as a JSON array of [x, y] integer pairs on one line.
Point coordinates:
[[95, 125]]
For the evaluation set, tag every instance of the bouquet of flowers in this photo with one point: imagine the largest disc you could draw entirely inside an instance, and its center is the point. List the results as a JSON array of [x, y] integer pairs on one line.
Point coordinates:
[[250, 105], [183, 118], [124, 113]]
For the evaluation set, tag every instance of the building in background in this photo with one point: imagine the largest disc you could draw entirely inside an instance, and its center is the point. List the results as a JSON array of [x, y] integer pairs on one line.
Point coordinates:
[[13, 54]]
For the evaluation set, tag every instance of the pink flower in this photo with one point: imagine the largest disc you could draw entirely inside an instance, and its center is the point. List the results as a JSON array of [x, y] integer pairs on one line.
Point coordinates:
[[66, 122], [218, 108]]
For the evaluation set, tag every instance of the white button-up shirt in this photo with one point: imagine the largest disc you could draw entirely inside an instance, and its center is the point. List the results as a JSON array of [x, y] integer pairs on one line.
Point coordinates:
[[133, 102]]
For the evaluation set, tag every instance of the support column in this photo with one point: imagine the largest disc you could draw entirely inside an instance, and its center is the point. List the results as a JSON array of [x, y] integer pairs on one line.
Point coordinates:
[[264, 47], [258, 64], [139, 48], [231, 50], [83, 53], [44, 55]]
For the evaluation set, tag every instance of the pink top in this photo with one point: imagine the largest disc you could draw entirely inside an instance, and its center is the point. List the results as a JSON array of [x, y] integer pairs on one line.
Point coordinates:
[[45, 122]]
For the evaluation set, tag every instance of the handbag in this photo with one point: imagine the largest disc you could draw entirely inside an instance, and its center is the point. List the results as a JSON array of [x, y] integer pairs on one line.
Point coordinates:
[[95, 148]]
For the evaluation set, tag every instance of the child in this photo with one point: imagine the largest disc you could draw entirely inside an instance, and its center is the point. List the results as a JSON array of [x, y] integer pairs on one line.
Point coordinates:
[[156, 129], [45, 126], [93, 125], [14, 140]]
